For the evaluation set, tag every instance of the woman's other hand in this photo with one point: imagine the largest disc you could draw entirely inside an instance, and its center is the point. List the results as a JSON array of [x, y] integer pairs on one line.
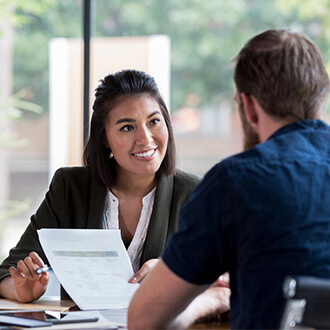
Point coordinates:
[[143, 271]]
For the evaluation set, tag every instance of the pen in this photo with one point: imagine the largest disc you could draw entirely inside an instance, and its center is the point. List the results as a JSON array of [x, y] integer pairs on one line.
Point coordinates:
[[43, 269]]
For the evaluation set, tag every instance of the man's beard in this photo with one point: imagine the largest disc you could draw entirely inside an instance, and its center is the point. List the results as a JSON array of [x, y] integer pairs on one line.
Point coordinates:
[[250, 138]]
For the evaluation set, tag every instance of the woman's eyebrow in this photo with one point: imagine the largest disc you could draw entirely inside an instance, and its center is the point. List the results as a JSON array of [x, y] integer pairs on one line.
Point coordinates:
[[157, 112], [125, 120], [131, 120]]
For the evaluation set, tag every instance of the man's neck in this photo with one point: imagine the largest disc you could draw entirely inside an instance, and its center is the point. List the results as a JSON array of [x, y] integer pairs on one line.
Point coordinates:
[[270, 125]]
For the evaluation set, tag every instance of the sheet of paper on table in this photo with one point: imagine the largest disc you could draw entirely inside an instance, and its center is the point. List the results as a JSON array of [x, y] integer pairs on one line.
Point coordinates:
[[91, 264]]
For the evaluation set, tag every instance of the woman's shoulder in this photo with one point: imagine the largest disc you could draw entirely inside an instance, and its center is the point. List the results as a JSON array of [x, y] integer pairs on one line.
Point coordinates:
[[186, 178], [75, 174]]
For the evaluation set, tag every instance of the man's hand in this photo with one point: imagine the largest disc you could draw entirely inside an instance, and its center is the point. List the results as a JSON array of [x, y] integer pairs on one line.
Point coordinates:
[[223, 281], [210, 304]]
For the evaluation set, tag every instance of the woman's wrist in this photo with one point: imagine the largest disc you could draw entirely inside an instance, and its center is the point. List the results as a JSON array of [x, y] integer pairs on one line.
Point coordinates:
[[6, 285]]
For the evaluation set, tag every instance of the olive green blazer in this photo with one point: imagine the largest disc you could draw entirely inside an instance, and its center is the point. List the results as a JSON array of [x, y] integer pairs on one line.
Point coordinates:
[[76, 200]]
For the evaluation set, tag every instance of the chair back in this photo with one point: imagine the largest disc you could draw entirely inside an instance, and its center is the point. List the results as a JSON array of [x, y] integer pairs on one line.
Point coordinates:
[[307, 303]]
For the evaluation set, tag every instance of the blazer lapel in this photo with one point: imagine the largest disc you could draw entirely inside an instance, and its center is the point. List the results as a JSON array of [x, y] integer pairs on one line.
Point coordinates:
[[159, 221], [96, 205]]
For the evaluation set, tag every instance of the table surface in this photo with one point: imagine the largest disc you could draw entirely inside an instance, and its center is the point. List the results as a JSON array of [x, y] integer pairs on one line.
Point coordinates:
[[55, 304]]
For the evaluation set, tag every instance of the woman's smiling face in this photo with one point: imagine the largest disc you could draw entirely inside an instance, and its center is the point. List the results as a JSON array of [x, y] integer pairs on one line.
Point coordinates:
[[137, 135]]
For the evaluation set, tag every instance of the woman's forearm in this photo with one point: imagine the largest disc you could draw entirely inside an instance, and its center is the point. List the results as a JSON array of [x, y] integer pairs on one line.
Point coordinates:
[[7, 288]]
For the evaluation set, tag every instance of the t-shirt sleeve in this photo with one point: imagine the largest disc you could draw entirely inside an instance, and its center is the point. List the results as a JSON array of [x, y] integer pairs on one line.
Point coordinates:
[[197, 250]]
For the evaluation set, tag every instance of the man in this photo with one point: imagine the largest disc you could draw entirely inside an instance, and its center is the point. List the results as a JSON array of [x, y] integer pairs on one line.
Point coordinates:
[[262, 214]]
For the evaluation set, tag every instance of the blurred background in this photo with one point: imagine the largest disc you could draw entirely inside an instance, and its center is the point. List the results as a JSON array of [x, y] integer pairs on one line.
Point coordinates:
[[187, 45]]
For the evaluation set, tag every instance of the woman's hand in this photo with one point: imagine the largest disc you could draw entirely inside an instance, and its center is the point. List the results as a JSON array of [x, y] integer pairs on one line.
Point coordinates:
[[143, 271], [27, 284]]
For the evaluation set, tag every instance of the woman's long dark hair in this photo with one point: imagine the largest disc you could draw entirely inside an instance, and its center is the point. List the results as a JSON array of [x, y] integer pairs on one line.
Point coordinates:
[[112, 90]]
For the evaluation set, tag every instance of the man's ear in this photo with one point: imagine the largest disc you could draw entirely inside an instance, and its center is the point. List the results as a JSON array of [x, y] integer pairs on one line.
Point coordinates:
[[250, 107]]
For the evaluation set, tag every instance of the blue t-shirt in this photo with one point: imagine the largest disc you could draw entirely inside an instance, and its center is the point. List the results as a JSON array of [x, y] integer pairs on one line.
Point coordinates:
[[261, 215]]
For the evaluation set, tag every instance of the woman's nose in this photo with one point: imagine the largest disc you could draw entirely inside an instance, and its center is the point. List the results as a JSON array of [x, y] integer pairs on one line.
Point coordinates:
[[143, 135]]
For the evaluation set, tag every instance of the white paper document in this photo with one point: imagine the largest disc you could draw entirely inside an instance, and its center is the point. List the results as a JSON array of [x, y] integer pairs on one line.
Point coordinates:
[[92, 265]]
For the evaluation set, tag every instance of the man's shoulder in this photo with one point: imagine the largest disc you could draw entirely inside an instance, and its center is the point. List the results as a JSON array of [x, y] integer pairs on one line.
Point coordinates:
[[279, 154], [243, 158], [235, 167]]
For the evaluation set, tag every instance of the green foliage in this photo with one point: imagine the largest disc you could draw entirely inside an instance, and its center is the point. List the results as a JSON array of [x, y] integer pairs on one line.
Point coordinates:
[[13, 110], [16, 13], [10, 209], [61, 18], [205, 36], [19, 12]]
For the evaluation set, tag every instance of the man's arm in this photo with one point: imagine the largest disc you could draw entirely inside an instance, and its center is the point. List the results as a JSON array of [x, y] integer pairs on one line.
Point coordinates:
[[161, 298]]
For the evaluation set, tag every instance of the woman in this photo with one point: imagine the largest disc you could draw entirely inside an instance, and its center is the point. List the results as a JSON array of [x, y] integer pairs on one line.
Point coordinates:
[[129, 181]]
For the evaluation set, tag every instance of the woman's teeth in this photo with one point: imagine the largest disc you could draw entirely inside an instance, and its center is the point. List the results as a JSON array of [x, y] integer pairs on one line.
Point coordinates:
[[144, 154]]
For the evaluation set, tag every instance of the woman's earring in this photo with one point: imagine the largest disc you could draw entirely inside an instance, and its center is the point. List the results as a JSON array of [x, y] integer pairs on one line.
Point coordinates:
[[110, 155]]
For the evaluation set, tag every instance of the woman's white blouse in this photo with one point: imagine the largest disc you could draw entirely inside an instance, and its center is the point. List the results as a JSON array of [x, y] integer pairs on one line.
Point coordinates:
[[111, 221]]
